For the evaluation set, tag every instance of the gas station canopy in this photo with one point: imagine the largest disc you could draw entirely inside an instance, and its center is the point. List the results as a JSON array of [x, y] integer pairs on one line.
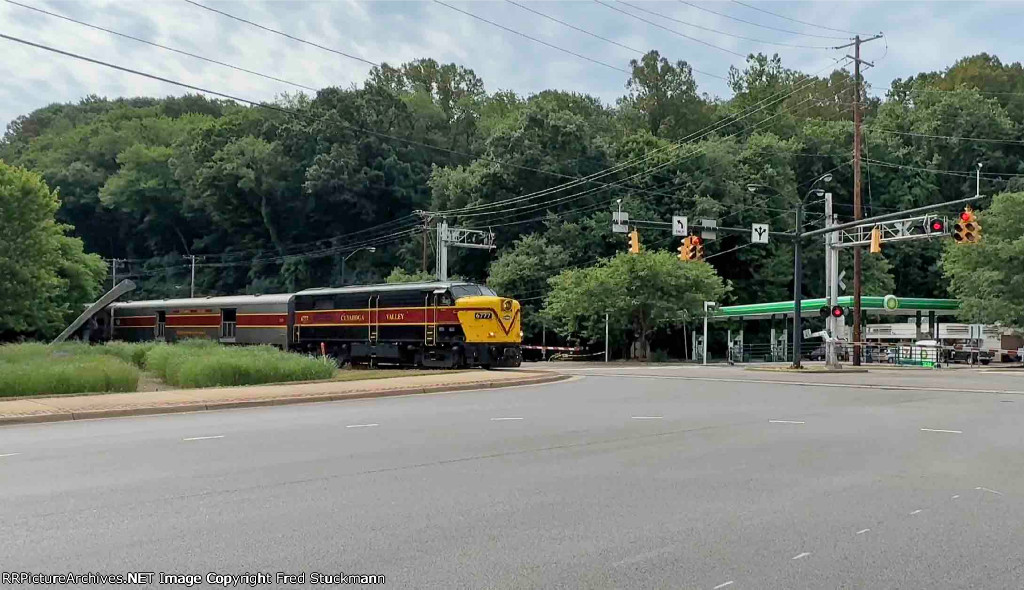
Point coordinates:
[[887, 305]]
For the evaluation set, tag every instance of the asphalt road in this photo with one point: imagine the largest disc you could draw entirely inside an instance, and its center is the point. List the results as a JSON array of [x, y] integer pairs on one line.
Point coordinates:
[[639, 478]]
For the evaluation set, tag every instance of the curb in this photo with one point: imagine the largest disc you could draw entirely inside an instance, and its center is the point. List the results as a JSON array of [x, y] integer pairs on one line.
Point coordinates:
[[805, 371], [276, 401]]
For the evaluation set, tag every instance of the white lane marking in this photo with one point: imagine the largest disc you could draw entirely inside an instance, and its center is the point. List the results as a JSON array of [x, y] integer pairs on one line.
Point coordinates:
[[786, 422], [724, 584], [9, 454], [501, 419], [862, 531], [940, 430], [361, 425], [647, 417], [988, 490], [955, 497], [801, 556], [918, 511], [204, 437]]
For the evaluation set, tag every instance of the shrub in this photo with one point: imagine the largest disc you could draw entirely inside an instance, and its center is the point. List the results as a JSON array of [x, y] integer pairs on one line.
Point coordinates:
[[211, 365], [130, 352], [32, 369]]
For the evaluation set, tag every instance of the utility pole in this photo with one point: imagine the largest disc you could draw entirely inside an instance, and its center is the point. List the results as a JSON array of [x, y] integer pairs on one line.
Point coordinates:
[[192, 289], [113, 271], [858, 213]]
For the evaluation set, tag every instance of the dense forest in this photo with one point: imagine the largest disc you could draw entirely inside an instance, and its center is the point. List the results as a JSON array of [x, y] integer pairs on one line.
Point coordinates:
[[272, 198]]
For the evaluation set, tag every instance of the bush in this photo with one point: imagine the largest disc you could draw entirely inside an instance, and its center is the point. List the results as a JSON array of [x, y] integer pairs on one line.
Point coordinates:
[[211, 365], [129, 352], [33, 369], [659, 356]]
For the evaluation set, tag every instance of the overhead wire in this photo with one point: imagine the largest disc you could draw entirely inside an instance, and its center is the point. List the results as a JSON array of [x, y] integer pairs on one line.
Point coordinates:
[[817, 25], [159, 46], [530, 37], [613, 42], [283, 34], [673, 31], [763, 26], [716, 31]]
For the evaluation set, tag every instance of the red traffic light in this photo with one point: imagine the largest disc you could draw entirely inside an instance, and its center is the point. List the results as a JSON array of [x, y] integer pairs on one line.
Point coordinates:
[[966, 216], [695, 240], [837, 312]]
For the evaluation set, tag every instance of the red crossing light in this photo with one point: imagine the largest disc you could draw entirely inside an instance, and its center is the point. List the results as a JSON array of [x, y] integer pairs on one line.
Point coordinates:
[[937, 225], [837, 312]]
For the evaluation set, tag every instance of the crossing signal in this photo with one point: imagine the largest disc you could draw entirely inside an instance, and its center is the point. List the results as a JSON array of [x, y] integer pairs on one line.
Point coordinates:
[[934, 226], [838, 311], [967, 230], [823, 311], [876, 240], [684, 249], [634, 242]]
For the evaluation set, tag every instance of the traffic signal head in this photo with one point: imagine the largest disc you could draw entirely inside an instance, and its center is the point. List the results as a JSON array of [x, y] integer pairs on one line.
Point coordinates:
[[823, 311], [967, 230], [876, 240], [634, 242], [698, 247], [838, 311], [684, 249]]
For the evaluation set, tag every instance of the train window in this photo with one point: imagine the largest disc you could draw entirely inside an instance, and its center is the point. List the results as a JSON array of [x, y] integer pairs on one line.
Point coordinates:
[[411, 298], [460, 291], [229, 315]]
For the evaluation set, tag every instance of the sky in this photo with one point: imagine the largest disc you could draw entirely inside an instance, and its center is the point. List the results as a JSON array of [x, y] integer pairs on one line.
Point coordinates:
[[919, 36]]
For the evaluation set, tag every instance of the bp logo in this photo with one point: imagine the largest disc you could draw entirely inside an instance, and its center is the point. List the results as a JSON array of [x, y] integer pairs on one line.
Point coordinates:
[[890, 302]]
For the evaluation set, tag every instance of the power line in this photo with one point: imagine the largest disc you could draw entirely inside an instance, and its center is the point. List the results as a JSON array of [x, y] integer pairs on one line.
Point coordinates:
[[793, 19], [962, 173], [951, 137], [760, 25], [613, 42], [940, 90], [703, 28], [283, 34], [524, 35], [673, 31], [164, 47]]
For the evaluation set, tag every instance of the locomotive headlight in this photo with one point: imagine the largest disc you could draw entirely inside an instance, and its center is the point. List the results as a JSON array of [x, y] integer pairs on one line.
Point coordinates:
[[506, 305]]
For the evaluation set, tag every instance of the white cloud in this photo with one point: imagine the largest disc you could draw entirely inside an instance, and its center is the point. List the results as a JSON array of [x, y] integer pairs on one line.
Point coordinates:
[[920, 35]]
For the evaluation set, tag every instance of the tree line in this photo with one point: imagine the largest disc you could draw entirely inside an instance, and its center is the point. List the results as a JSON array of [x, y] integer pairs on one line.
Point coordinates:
[[272, 199]]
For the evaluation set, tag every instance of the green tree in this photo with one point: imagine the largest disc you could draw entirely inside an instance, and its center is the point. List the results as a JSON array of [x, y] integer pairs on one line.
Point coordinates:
[[987, 276], [639, 292], [45, 277], [399, 275], [522, 273]]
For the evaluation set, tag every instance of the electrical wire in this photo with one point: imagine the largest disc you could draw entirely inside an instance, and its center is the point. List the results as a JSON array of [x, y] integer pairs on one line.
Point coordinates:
[[283, 34], [534, 39], [950, 137], [761, 25], [673, 31], [703, 28], [596, 36], [793, 19], [164, 47], [994, 176]]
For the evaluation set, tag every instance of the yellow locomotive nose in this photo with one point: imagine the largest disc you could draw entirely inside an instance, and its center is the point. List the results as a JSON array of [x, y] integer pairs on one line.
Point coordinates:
[[490, 319]]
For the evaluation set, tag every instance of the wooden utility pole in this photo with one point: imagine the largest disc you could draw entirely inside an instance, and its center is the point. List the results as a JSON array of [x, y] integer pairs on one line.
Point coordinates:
[[858, 212]]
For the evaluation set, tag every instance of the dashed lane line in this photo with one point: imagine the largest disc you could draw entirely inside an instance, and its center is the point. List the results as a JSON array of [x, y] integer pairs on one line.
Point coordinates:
[[941, 430], [648, 417], [204, 437], [800, 556], [503, 419], [362, 425], [786, 422], [918, 511], [862, 531], [724, 584], [988, 490], [9, 455]]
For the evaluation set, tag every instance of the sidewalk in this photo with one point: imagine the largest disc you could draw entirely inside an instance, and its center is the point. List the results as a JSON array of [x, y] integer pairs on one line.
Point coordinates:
[[82, 407]]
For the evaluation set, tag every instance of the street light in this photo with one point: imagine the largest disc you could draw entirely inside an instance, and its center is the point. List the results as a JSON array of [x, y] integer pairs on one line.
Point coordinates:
[[797, 262], [354, 252]]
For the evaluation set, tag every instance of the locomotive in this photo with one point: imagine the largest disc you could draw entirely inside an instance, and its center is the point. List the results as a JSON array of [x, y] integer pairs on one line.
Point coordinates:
[[435, 324]]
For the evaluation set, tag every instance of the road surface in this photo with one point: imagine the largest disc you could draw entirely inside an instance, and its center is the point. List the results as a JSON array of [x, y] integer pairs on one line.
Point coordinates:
[[621, 478]]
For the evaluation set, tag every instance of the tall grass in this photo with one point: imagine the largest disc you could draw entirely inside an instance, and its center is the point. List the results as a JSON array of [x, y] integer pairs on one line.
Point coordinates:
[[197, 364], [33, 369]]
